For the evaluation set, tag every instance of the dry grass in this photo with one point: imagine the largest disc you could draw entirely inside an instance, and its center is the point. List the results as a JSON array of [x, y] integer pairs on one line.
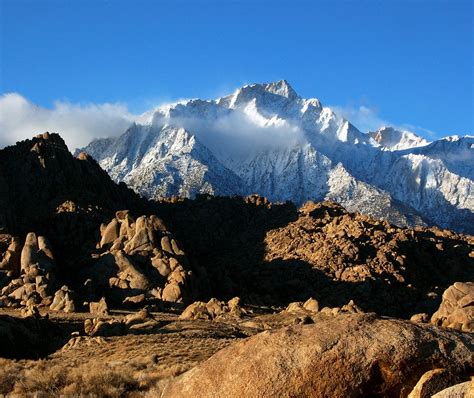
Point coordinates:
[[120, 366], [44, 380], [9, 374]]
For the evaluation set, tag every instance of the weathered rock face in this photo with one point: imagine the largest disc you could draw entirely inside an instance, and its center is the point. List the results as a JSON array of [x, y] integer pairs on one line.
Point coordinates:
[[433, 381], [457, 308], [63, 300], [29, 272], [461, 390], [138, 260], [343, 356]]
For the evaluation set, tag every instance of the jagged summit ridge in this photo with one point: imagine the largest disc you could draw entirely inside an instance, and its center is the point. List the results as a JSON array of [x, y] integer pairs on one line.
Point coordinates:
[[282, 88], [265, 138]]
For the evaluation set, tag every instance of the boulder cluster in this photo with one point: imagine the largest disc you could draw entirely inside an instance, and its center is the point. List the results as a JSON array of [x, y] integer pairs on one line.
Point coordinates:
[[28, 271], [214, 310], [312, 306], [137, 323], [137, 261], [274, 254], [385, 268]]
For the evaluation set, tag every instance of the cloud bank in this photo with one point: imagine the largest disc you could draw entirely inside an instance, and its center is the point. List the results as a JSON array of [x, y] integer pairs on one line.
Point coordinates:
[[364, 118], [78, 124], [237, 132], [367, 119]]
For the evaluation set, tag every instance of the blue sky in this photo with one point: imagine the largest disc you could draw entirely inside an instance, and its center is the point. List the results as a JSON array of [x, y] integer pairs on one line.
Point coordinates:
[[408, 62]]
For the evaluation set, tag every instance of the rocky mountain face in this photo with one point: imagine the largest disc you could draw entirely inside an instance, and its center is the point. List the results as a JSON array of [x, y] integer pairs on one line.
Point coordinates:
[[266, 139], [40, 179], [394, 140]]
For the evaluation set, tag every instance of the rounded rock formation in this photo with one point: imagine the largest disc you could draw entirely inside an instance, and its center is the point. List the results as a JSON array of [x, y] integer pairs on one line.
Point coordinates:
[[344, 356]]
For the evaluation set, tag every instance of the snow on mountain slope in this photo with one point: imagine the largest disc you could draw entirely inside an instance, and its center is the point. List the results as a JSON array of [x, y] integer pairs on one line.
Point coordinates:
[[161, 162], [456, 153], [366, 199], [393, 140], [265, 138]]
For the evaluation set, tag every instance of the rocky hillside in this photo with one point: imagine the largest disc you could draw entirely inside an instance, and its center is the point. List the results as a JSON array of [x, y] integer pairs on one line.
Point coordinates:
[[44, 189], [71, 235], [274, 254]]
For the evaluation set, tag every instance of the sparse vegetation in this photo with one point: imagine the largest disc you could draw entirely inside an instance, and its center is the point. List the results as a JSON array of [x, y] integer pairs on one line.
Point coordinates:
[[118, 366]]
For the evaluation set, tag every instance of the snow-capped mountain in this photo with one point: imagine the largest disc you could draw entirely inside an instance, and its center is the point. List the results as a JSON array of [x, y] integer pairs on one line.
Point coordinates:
[[266, 139], [166, 161]]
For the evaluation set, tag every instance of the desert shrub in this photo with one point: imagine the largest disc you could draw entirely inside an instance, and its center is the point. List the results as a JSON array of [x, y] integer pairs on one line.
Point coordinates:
[[42, 379], [45, 380], [10, 372], [98, 382]]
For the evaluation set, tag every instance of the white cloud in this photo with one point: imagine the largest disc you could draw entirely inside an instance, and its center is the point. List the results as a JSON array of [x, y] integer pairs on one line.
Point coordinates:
[[364, 118], [237, 131], [367, 119], [77, 124]]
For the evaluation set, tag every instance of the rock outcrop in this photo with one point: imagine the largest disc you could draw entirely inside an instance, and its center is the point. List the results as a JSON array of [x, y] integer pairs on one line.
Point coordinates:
[[63, 300], [97, 246], [457, 308], [274, 254], [138, 260], [99, 308], [138, 323], [267, 254], [10, 248], [46, 190], [29, 272], [343, 356], [214, 309]]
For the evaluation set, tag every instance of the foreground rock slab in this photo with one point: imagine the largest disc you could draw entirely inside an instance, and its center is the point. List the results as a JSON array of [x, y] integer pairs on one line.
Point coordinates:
[[345, 356]]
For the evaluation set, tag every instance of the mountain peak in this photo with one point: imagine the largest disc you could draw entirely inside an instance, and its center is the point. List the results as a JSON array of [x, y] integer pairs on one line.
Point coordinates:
[[281, 87], [249, 92]]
